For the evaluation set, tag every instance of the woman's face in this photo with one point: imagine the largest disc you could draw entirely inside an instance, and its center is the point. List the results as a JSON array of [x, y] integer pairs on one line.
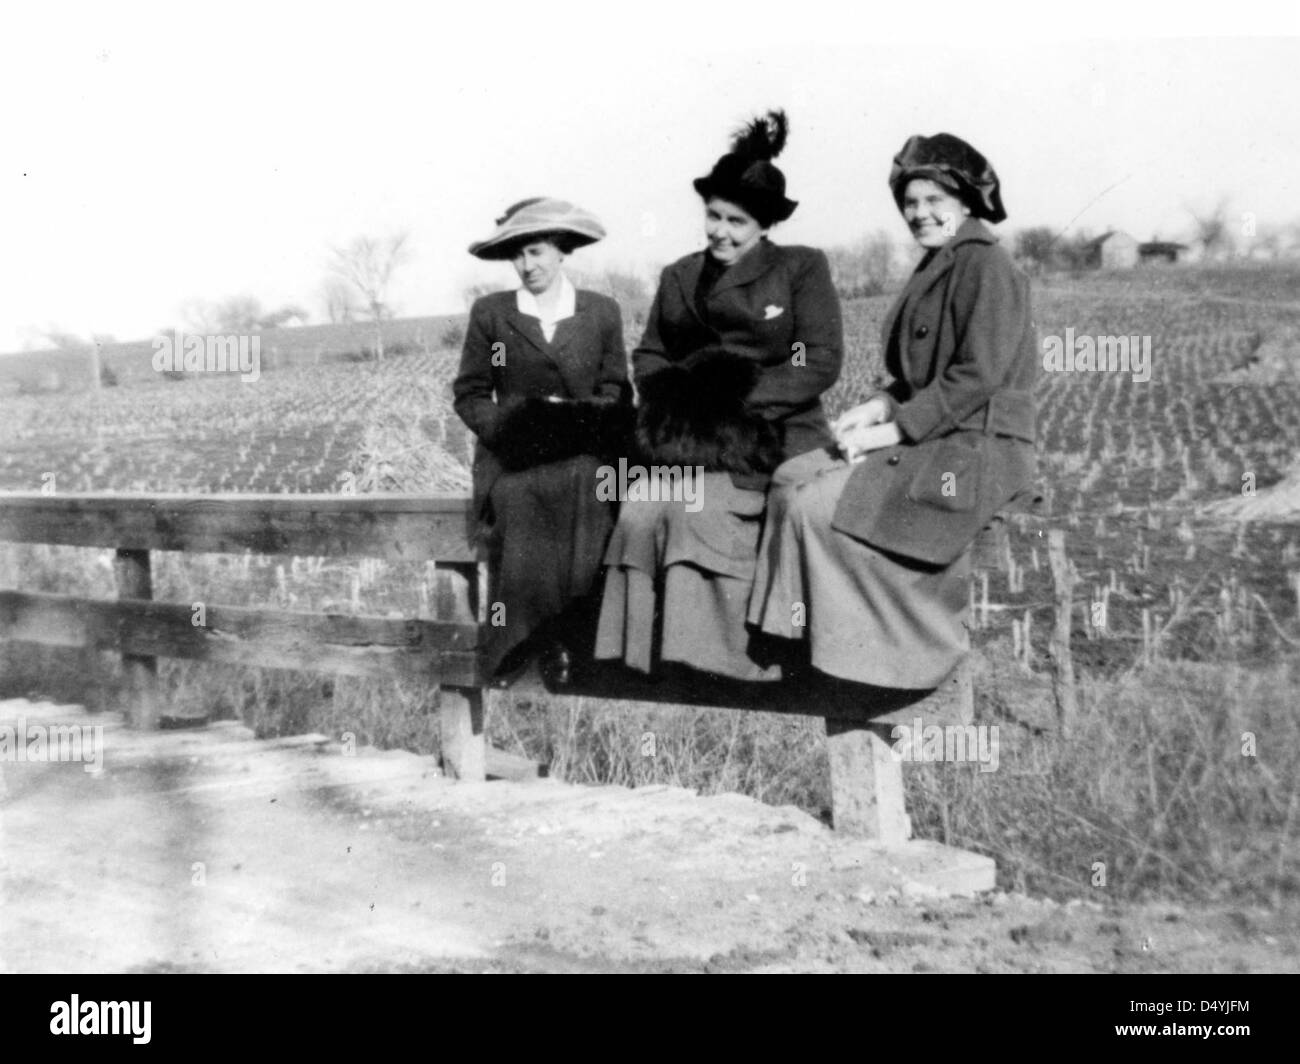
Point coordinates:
[[538, 265], [932, 212], [731, 230]]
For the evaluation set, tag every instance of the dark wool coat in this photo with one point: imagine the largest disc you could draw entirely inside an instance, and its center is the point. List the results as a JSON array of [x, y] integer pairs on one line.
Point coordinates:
[[773, 299], [536, 462], [962, 349], [507, 361]]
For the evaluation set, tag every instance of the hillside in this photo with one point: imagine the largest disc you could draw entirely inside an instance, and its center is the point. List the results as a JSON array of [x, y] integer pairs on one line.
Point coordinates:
[[282, 349]]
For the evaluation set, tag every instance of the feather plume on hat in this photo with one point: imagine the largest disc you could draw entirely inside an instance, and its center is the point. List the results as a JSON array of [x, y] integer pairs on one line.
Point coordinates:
[[747, 176], [763, 138]]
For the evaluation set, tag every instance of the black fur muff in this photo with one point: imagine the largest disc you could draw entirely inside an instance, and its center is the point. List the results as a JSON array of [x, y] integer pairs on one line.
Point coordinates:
[[537, 430], [693, 413]]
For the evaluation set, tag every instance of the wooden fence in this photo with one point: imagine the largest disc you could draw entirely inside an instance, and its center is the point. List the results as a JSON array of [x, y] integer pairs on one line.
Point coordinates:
[[866, 778]]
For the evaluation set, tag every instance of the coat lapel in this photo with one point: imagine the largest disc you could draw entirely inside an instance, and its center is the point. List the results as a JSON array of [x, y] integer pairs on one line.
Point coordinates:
[[748, 269], [688, 276], [528, 328], [925, 278], [560, 350]]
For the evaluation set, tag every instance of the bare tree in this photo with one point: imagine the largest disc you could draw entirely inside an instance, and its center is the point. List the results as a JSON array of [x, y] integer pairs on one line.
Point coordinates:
[[336, 295], [71, 343], [236, 314], [239, 314], [472, 292], [863, 268], [1076, 252], [1036, 246], [62, 340], [1212, 231], [200, 316], [367, 265], [627, 288]]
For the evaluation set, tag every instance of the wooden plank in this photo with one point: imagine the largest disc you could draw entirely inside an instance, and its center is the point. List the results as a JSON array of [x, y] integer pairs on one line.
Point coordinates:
[[134, 580], [428, 651], [393, 527], [867, 797], [810, 695]]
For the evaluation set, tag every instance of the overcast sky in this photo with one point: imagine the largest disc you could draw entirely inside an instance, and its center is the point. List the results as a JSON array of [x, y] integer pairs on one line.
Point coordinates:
[[153, 155]]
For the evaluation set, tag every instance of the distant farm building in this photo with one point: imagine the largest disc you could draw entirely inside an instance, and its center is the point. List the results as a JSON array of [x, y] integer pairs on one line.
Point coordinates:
[[1159, 252], [1114, 250]]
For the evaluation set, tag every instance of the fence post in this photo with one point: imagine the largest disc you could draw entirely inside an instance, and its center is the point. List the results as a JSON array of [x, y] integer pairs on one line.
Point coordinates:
[[1063, 579], [866, 783], [459, 597], [135, 581]]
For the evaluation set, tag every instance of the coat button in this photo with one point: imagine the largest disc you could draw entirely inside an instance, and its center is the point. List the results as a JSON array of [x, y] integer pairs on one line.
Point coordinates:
[[922, 331], [894, 459]]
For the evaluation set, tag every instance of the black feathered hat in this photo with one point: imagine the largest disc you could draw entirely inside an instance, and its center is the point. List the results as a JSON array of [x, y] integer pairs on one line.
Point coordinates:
[[950, 161], [746, 175]]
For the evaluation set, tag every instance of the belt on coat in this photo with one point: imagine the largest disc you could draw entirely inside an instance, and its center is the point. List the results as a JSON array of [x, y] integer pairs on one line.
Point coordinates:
[[1008, 413]]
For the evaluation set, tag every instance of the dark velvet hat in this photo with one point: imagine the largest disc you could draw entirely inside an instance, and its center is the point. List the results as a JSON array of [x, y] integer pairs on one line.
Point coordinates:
[[950, 161], [746, 175]]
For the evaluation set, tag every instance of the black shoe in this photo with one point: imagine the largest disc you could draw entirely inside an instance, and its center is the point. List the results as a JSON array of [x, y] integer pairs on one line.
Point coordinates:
[[557, 665], [512, 667]]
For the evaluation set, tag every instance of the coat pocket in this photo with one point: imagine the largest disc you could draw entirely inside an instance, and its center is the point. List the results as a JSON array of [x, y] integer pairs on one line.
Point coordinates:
[[950, 476]]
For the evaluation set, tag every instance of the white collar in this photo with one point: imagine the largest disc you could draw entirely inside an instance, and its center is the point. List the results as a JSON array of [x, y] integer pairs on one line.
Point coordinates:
[[565, 306]]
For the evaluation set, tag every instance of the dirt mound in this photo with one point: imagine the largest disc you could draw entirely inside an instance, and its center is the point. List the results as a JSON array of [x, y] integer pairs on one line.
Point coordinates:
[[1280, 502]]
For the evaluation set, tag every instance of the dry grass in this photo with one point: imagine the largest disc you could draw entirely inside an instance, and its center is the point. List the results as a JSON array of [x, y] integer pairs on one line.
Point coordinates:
[[1158, 784], [1154, 785]]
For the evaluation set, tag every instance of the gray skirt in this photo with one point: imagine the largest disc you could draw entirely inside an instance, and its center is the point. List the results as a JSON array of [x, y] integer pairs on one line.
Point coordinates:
[[866, 616], [677, 583]]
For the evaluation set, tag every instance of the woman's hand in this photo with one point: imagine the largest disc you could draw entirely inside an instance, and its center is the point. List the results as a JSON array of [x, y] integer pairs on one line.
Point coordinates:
[[874, 411], [851, 425], [856, 442]]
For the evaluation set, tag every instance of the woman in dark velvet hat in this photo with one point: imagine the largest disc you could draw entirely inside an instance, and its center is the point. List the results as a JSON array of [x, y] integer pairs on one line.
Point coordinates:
[[876, 549], [741, 341], [543, 385]]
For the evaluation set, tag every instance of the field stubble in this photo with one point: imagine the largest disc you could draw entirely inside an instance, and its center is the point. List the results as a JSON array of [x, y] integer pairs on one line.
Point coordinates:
[[1195, 649]]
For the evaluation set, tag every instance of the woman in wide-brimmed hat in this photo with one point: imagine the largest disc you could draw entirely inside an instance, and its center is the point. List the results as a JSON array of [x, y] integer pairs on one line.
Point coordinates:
[[876, 550], [741, 341], [543, 385]]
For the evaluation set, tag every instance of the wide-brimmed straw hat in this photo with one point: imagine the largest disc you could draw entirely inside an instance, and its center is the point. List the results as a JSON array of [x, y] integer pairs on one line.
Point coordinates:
[[950, 161], [747, 176], [540, 216]]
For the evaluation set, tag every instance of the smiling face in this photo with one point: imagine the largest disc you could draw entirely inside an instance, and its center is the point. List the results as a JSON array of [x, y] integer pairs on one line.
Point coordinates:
[[731, 230], [538, 264], [932, 212]]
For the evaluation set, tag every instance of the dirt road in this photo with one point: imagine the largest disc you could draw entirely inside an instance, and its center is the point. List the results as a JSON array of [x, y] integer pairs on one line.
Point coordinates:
[[211, 851]]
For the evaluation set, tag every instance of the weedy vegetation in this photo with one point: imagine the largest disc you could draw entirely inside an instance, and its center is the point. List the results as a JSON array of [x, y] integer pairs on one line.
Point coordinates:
[[1182, 779]]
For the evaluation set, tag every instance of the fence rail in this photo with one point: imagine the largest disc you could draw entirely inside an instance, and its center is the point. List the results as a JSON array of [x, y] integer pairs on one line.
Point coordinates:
[[866, 781]]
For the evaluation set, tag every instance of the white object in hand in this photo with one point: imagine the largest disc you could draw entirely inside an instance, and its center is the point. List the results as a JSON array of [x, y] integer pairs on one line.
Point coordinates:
[[857, 441], [874, 411]]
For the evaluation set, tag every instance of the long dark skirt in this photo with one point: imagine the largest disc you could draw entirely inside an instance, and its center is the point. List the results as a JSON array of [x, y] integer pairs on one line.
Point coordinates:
[[677, 584], [546, 540], [868, 617]]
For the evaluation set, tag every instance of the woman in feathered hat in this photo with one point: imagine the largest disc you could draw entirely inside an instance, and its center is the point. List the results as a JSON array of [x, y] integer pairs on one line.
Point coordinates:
[[876, 551], [543, 385], [741, 341]]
